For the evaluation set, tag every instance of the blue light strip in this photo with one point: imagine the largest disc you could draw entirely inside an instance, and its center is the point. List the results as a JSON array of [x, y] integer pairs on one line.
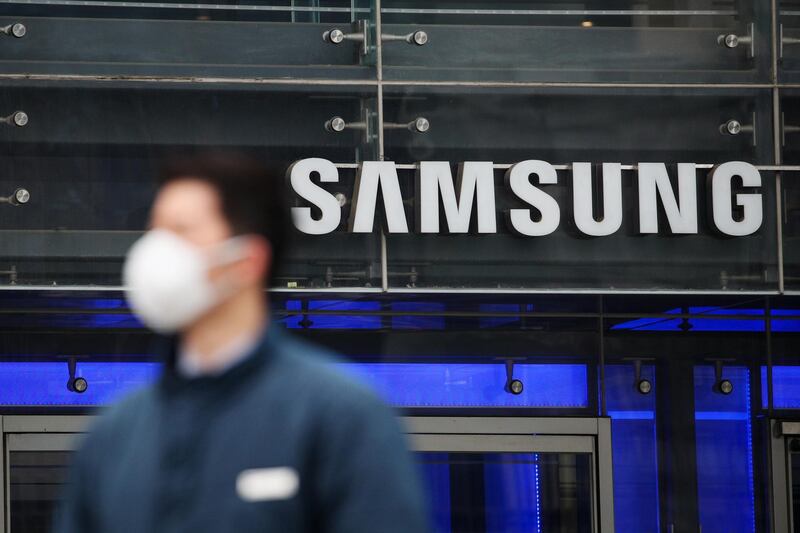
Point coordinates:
[[723, 428], [45, 384], [785, 387], [400, 384], [474, 385]]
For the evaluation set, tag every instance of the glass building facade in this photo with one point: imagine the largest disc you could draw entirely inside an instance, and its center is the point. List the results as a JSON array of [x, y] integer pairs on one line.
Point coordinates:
[[659, 373]]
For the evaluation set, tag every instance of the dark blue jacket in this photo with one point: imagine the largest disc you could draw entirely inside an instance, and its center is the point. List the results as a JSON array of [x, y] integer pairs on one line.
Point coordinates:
[[169, 458]]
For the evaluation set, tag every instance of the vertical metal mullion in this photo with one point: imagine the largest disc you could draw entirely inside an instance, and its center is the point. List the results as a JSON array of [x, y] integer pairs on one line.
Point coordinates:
[[777, 138], [779, 480], [379, 77], [605, 475], [777, 134], [4, 479], [601, 359], [768, 342]]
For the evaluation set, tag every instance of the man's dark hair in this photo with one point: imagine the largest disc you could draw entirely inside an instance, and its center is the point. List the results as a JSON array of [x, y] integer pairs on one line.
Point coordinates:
[[252, 193]]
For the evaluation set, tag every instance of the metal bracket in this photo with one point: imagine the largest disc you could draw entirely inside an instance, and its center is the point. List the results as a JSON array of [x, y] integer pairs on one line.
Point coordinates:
[[17, 118], [360, 35], [418, 38], [19, 197], [337, 124], [784, 41], [732, 40], [418, 125], [17, 29], [512, 386], [733, 127], [787, 129]]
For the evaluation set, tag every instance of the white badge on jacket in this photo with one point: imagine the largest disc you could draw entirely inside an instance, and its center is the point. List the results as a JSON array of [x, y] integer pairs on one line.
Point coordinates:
[[267, 484]]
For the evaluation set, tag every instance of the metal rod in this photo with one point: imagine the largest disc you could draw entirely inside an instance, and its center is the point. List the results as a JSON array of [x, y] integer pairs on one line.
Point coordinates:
[[178, 5]]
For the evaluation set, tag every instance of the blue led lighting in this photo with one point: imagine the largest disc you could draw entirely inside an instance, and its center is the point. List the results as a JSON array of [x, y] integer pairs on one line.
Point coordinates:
[[511, 492], [785, 387], [634, 449], [317, 321], [716, 322], [474, 385], [500, 321], [632, 415], [436, 478], [45, 384], [417, 322], [725, 489], [400, 384]]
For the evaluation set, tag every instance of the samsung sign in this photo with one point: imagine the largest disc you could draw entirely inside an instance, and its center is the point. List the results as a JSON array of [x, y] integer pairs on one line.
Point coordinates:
[[732, 212]]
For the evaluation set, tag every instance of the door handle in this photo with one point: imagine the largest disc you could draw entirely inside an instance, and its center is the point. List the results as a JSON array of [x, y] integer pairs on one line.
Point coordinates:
[[733, 40]]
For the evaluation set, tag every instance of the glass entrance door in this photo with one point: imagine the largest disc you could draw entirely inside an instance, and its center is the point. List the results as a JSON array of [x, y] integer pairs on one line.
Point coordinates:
[[483, 475], [513, 475], [37, 455], [37, 466]]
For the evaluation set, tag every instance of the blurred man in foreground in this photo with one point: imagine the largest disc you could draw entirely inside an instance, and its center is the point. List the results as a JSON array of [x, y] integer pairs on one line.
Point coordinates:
[[248, 429]]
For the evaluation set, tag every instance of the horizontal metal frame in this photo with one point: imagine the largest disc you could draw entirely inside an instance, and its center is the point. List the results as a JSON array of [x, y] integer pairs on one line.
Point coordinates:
[[179, 5], [501, 443], [453, 314], [501, 425], [42, 442], [403, 290], [576, 435], [45, 423], [121, 79]]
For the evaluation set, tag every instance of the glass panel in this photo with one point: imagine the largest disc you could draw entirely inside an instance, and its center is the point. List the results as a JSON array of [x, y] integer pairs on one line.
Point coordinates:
[[509, 492], [619, 41], [241, 40], [566, 126], [635, 448], [725, 487], [87, 155], [36, 481]]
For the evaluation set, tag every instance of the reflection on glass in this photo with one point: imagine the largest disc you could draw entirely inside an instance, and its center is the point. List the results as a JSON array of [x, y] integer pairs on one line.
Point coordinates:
[[37, 480], [509, 492]]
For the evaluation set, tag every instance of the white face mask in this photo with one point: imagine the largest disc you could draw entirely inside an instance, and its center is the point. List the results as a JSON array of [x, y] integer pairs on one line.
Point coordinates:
[[167, 279]]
